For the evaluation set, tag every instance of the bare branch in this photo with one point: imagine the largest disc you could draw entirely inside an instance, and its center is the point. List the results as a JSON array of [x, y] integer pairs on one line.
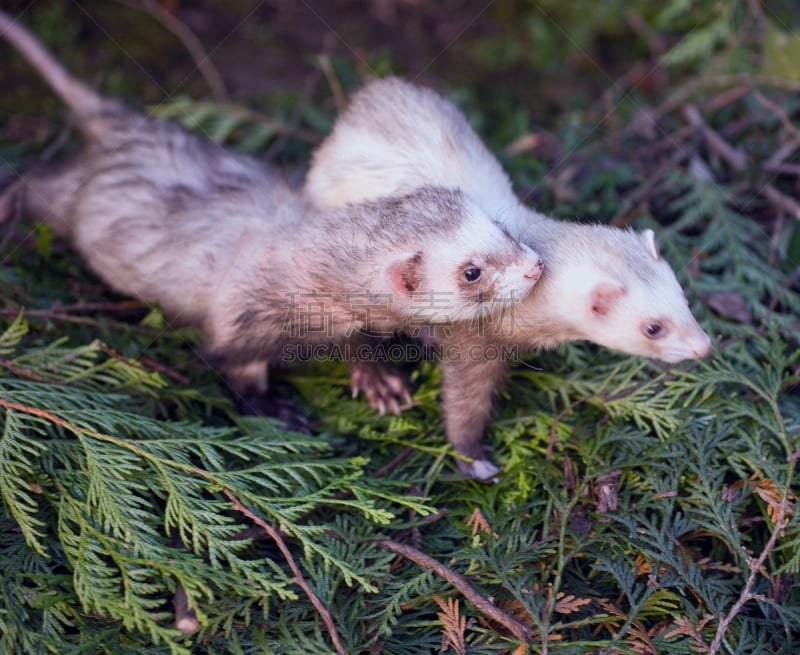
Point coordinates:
[[190, 41], [485, 606], [275, 534], [733, 157]]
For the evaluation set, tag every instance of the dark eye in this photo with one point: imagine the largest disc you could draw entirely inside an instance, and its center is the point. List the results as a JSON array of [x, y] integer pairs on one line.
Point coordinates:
[[653, 330], [472, 274]]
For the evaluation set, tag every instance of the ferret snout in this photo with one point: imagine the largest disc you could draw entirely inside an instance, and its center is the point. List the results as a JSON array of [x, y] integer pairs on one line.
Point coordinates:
[[535, 272], [701, 346]]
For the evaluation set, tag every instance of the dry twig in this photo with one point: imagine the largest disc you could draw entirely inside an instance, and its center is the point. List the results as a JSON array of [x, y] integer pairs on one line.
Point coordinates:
[[485, 606], [275, 534], [190, 41], [755, 565], [733, 157]]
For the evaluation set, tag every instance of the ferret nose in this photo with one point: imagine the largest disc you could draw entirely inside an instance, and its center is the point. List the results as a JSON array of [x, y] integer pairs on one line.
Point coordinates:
[[702, 347], [536, 271]]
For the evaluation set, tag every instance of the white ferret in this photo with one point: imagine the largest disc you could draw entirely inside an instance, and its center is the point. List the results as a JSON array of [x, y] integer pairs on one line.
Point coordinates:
[[223, 244], [606, 285]]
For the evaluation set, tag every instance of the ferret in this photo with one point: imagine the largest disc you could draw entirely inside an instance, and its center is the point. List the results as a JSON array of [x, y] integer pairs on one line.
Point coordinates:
[[602, 284], [222, 243]]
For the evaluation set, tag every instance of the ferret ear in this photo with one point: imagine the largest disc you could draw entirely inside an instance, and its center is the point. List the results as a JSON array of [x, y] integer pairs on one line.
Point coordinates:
[[603, 298], [404, 273], [650, 245]]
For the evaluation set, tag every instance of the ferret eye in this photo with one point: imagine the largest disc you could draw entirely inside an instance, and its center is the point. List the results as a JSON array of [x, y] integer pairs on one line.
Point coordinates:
[[472, 274], [653, 330]]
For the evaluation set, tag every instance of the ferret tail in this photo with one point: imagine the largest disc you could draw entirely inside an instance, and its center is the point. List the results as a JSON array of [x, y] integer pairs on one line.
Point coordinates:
[[81, 98]]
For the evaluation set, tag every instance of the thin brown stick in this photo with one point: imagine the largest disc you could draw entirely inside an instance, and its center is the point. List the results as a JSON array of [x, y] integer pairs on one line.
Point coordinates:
[[755, 567], [336, 87], [121, 306], [404, 454], [189, 40], [736, 160], [733, 157], [551, 442], [309, 87], [162, 368], [49, 315], [782, 169], [10, 212], [142, 363], [774, 244], [22, 372], [787, 203], [298, 575], [778, 111], [621, 217], [518, 629]]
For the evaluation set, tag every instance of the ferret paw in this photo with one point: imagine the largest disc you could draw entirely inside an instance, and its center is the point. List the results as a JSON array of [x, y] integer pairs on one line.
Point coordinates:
[[480, 469], [279, 408], [383, 386]]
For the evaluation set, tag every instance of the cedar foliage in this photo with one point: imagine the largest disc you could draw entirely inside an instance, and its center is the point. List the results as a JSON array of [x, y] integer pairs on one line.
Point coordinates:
[[640, 510]]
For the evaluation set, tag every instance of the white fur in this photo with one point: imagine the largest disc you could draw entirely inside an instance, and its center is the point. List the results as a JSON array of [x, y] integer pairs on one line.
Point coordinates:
[[480, 469], [396, 136], [428, 139]]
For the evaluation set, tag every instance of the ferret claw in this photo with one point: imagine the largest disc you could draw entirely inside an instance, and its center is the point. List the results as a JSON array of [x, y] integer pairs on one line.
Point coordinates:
[[480, 469], [383, 387]]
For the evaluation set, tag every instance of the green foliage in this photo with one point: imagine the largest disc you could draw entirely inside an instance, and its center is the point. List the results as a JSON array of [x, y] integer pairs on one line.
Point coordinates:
[[638, 508], [108, 494]]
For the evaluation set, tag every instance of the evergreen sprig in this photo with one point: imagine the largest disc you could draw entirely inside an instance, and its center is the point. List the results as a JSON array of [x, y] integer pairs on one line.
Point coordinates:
[[640, 509]]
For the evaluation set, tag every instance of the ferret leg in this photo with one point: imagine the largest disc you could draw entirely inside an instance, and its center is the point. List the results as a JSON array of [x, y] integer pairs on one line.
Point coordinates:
[[384, 387], [468, 387], [247, 379], [249, 383]]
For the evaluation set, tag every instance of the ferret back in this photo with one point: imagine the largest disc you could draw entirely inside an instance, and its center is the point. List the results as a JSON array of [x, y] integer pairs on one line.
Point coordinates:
[[395, 137]]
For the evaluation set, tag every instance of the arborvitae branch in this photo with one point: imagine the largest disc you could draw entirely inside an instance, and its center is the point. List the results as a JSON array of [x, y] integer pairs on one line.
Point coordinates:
[[298, 574]]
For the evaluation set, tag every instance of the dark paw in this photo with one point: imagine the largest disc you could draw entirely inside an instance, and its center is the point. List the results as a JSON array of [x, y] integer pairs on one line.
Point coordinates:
[[280, 408]]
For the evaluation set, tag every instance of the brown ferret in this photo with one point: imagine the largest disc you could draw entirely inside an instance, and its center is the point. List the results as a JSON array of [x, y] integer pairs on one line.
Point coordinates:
[[221, 243], [602, 284]]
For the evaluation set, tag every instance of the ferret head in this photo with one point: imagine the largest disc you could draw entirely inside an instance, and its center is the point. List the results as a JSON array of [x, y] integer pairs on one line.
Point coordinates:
[[463, 265], [625, 296]]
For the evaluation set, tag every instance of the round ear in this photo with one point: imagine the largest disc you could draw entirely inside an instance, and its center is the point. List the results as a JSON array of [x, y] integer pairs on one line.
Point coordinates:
[[650, 245], [603, 298], [404, 273]]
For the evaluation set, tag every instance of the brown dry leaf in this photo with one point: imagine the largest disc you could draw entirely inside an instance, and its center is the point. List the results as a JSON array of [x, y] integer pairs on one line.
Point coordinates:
[[643, 566], [729, 304], [453, 625], [515, 609], [684, 627], [527, 142], [477, 521], [522, 649], [605, 490], [569, 604], [706, 563], [611, 623], [639, 639], [771, 493]]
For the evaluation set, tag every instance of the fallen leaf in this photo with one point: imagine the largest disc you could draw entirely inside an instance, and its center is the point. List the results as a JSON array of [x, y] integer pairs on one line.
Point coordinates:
[[729, 304]]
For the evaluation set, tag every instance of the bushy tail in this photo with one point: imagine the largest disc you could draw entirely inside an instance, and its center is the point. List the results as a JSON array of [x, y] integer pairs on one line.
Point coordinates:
[[81, 99]]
